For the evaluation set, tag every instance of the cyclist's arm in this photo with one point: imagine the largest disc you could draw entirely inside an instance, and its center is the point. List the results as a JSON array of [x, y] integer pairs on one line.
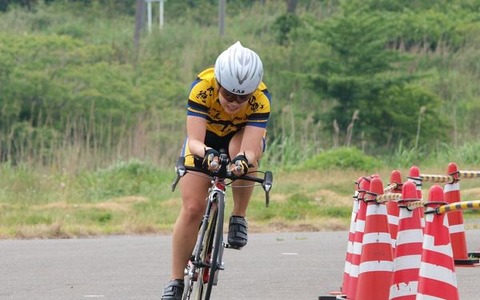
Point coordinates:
[[196, 131], [252, 143]]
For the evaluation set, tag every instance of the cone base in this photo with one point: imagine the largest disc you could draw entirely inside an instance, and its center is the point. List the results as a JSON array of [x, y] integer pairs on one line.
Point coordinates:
[[333, 295], [466, 262]]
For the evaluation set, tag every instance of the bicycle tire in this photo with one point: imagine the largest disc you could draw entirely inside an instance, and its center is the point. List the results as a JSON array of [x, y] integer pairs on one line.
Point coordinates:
[[217, 245], [196, 288]]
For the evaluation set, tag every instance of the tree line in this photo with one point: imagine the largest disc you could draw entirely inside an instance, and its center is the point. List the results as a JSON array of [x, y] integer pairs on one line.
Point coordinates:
[[370, 74]]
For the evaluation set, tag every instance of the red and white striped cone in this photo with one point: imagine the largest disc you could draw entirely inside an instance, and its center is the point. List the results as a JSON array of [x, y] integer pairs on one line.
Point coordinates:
[[455, 220], [408, 251], [437, 278], [414, 176], [351, 288], [376, 263], [392, 206], [351, 238]]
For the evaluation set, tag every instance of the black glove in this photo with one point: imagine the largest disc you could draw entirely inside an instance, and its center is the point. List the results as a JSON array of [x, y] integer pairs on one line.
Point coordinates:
[[241, 163], [208, 157]]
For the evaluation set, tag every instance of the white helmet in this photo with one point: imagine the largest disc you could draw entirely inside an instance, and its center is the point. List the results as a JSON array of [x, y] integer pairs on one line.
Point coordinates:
[[239, 70]]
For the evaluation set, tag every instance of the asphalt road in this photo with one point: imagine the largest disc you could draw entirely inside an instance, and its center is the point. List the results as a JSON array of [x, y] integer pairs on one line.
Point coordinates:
[[272, 266]]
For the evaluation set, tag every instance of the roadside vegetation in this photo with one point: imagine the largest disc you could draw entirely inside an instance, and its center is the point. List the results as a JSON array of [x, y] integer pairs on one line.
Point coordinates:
[[93, 105], [135, 197]]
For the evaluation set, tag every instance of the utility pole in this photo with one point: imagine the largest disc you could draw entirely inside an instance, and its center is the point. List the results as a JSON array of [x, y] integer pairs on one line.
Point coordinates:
[[291, 6], [221, 15], [139, 21], [160, 13]]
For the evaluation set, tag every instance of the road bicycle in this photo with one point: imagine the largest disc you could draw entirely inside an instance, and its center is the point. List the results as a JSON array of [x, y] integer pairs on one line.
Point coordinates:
[[201, 272]]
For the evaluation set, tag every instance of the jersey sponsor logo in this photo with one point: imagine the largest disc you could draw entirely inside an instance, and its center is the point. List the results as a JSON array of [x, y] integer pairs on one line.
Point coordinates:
[[203, 95], [238, 92]]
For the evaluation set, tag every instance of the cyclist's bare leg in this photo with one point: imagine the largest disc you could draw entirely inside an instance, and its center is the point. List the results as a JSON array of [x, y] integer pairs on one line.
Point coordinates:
[[242, 190], [194, 190]]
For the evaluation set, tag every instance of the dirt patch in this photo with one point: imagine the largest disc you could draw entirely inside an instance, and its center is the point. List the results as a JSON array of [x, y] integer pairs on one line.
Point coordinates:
[[327, 197], [122, 204]]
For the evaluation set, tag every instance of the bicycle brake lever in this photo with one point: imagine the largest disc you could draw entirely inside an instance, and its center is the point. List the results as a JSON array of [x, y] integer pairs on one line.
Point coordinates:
[[180, 170], [267, 186], [267, 181], [175, 182]]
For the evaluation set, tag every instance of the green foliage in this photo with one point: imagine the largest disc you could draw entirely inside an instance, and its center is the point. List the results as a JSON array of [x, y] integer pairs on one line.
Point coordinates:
[[406, 157], [74, 89], [434, 155], [423, 25], [336, 211], [343, 158], [299, 207], [36, 219], [284, 25], [71, 77], [285, 152], [357, 72], [26, 187], [470, 154], [397, 118], [63, 77], [466, 154], [122, 179], [55, 87]]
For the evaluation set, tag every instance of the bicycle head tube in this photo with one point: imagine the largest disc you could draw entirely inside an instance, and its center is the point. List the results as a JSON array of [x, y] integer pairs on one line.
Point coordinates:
[[222, 172]]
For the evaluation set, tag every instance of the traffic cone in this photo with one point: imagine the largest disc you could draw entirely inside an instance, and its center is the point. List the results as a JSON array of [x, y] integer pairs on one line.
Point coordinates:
[[437, 278], [351, 238], [414, 176], [408, 251], [455, 220], [376, 263], [392, 206], [351, 287]]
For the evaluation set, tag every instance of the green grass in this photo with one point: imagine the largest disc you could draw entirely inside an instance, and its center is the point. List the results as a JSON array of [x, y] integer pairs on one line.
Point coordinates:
[[128, 197], [135, 197]]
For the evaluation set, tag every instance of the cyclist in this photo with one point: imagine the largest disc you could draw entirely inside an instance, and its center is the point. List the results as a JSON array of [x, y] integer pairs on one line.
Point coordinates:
[[228, 108]]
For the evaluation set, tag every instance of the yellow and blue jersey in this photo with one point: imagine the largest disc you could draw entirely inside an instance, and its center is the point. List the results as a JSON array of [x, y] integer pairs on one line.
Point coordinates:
[[203, 102]]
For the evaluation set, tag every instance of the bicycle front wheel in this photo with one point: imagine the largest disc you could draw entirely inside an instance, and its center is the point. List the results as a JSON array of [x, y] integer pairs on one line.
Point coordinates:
[[203, 274], [217, 245]]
